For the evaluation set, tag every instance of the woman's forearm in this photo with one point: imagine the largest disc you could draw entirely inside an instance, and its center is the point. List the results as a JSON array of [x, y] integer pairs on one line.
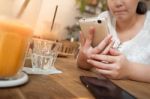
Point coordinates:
[[139, 72]]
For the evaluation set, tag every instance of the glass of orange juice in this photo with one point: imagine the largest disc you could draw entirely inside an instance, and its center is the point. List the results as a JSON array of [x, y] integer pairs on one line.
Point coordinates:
[[14, 40]]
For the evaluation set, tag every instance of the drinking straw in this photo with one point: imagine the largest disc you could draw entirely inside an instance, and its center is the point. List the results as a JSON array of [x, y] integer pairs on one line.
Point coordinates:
[[54, 17], [22, 9]]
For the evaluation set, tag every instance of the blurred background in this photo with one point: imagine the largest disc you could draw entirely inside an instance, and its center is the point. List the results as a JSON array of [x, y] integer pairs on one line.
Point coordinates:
[[41, 14]]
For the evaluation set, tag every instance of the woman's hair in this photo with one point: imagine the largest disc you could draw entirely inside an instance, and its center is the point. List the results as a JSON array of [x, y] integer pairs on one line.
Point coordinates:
[[141, 8]]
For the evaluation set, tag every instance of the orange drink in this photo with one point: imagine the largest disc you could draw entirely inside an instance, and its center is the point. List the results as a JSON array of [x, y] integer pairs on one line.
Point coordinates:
[[14, 41]]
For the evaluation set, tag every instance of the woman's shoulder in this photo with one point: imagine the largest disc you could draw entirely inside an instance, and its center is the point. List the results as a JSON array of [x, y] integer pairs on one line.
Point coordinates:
[[148, 14], [147, 20]]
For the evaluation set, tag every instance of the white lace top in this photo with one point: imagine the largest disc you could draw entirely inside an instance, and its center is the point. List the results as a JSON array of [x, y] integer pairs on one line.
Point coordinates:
[[138, 48]]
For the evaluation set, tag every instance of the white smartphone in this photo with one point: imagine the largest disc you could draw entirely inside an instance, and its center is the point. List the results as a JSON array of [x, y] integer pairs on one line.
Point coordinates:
[[100, 25]]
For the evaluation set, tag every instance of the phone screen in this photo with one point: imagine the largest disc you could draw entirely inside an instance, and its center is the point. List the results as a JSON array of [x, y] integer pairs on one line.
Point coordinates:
[[104, 88]]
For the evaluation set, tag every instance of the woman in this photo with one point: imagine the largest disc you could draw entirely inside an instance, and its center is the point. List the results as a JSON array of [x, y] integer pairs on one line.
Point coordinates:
[[129, 22]]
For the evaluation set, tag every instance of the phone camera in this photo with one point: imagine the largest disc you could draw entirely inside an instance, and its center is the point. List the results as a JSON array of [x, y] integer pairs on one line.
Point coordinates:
[[99, 21]]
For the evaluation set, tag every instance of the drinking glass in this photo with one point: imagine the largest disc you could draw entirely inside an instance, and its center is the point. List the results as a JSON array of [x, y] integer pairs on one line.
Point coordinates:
[[44, 54]]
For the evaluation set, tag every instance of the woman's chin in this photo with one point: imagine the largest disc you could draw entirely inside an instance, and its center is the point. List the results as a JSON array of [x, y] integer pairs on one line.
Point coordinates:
[[121, 18]]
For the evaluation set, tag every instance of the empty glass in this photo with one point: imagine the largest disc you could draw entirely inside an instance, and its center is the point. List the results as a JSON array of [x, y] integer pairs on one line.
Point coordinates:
[[44, 54]]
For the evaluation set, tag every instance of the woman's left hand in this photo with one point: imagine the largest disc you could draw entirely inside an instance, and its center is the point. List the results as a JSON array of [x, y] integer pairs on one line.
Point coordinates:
[[114, 66]]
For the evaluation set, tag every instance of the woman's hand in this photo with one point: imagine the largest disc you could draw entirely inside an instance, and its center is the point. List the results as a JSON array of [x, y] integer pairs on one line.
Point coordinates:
[[86, 50], [114, 66]]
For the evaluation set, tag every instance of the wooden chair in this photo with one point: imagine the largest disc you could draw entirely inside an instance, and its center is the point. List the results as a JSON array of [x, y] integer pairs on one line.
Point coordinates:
[[68, 48]]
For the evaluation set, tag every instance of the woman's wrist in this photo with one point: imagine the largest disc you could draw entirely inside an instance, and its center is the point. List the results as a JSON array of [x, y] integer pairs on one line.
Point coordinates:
[[130, 70], [138, 72]]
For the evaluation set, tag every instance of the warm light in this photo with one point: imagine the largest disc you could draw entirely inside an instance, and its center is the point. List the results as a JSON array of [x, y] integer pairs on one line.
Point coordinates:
[[45, 31]]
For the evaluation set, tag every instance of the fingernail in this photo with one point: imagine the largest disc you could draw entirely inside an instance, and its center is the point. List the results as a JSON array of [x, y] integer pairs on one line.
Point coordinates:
[[88, 60], [92, 29]]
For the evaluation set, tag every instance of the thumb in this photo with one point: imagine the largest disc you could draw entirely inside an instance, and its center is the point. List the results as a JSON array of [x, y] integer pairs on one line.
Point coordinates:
[[114, 52], [82, 39], [89, 38]]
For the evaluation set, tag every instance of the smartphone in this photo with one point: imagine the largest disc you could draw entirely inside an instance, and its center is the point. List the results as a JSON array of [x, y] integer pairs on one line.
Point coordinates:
[[102, 88], [100, 25]]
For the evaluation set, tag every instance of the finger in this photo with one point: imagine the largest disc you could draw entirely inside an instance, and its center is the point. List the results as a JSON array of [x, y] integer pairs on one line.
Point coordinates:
[[107, 49], [114, 52], [89, 38], [100, 65], [105, 58], [102, 45], [82, 39], [104, 72]]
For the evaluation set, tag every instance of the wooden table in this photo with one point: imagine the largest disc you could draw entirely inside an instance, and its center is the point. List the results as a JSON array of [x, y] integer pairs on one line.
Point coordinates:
[[66, 85]]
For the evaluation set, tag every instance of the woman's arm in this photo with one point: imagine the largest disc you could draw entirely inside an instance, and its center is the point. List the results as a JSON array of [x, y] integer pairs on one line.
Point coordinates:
[[117, 66], [139, 72]]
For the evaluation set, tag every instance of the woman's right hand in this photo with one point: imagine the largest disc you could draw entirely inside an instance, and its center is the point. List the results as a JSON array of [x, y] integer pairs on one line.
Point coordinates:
[[86, 50]]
